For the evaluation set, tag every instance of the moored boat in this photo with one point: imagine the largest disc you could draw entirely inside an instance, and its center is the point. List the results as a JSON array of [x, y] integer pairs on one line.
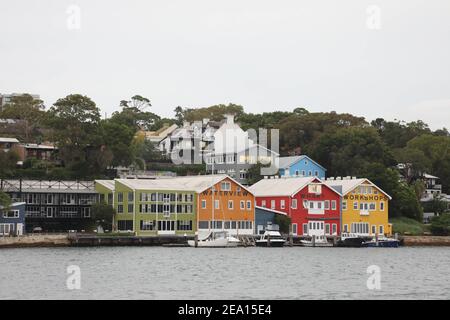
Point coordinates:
[[318, 241], [351, 240], [270, 238], [219, 239], [382, 242]]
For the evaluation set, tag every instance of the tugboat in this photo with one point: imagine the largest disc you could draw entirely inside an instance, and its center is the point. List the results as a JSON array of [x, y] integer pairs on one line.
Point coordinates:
[[382, 242], [270, 238]]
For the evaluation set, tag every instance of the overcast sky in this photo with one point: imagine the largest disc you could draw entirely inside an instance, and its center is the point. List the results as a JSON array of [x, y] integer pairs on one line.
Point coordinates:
[[265, 55]]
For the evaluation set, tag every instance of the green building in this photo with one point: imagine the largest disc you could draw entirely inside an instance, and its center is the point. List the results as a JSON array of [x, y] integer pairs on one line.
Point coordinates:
[[150, 207]]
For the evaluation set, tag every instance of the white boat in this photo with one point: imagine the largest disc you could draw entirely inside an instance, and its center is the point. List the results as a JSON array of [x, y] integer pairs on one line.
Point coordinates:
[[219, 239], [319, 241], [270, 238]]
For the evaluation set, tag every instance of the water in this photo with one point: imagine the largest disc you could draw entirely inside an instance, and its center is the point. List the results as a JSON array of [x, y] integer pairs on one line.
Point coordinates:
[[239, 273]]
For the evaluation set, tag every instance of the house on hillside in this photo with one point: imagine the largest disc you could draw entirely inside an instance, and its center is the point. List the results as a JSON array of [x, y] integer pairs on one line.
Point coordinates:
[[300, 166]]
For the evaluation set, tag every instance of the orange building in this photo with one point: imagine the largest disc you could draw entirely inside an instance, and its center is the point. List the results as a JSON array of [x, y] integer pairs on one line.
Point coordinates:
[[225, 205]]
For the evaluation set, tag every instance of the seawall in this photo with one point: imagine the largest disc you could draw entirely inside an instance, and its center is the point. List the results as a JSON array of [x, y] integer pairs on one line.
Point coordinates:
[[35, 241], [410, 241]]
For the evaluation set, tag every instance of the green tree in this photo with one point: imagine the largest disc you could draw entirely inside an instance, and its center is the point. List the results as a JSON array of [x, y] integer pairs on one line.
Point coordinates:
[[5, 200], [28, 109], [8, 163], [75, 124], [283, 222], [103, 214], [440, 226]]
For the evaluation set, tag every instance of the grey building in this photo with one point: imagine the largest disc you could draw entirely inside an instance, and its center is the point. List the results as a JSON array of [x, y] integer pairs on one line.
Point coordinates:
[[12, 220], [54, 206]]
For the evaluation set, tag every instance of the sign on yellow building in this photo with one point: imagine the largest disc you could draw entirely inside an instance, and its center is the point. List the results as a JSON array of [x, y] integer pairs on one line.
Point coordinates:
[[365, 207]]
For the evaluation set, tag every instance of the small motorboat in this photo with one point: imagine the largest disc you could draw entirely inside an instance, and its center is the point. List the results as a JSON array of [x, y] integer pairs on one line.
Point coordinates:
[[211, 239], [318, 241], [351, 240], [382, 242], [270, 238]]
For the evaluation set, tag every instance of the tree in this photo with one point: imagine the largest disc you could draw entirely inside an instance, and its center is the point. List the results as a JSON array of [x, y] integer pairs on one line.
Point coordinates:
[[5, 200], [28, 109], [136, 102], [75, 124], [437, 205], [254, 174], [8, 163], [103, 214], [283, 222], [179, 115], [415, 161], [440, 226]]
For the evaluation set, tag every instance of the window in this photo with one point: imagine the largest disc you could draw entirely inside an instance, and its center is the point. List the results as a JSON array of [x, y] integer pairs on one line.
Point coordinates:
[[374, 229], [294, 203], [184, 225], [242, 205], [216, 204], [355, 205], [334, 229], [315, 188], [319, 205], [11, 214], [225, 186], [203, 224], [382, 206], [296, 173], [305, 228], [230, 204], [316, 173], [120, 208], [120, 197], [203, 204], [130, 197], [327, 204], [382, 230], [263, 203], [372, 206], [130, 208], [346, 228], [146, 225], [283, 204], [327, 228], [344, 205], [303, 173], [272, 204], [310, 173], [125, 225], [294, 228], [249, 205], [238, 189], [333, 205], [311, 204]]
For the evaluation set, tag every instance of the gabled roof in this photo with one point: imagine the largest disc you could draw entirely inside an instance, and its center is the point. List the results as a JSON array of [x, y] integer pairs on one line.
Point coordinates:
[[110, 184], [197, 184], [281, 187], [286, 162], [349, 185]]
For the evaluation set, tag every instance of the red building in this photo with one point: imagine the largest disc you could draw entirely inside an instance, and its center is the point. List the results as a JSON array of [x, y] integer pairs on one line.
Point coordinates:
[[314, 207]]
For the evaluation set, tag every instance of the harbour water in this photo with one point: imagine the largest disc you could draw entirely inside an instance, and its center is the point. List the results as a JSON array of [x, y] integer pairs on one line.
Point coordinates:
[[240, 273]]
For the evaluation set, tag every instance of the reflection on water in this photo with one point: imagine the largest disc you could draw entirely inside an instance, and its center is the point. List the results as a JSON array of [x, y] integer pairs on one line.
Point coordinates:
[[240, 273]]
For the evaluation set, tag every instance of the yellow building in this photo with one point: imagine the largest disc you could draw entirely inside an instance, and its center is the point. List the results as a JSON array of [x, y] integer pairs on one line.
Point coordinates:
[[365, 207]]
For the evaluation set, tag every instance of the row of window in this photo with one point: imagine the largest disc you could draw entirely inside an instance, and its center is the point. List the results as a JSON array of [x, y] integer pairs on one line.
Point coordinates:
[[365, 190], [57, 212], [303, 173], [363, 228], [166, 225], [11, 214], [51, 198], [364, 206], [227, 225], [243, 205]]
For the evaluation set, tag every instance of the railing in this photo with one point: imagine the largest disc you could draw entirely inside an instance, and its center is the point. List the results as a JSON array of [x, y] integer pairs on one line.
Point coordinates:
[[18, 185]]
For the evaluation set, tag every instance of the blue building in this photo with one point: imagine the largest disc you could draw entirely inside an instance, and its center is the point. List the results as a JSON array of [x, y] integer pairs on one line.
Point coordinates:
[[265, 217], [300, 166], [12, 220]]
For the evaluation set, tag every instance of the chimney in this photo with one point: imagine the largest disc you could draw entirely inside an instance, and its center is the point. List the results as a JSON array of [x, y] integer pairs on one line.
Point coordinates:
[[230, 118]]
